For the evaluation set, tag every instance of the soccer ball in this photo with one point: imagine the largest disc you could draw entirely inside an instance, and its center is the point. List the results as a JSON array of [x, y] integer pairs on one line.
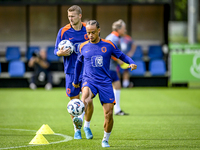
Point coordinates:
[[66, 44], [75, 107]]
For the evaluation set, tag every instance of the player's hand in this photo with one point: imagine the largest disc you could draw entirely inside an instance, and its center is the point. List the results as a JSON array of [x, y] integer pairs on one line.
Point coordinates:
[[132, 66], [75, 85], [65, 52]]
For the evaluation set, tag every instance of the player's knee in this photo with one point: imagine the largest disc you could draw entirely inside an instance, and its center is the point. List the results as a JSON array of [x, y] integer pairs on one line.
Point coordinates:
[[109, 115], [90, 101]]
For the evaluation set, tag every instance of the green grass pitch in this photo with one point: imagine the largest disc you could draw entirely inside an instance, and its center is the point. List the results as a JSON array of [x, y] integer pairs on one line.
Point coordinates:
[[160, 119]]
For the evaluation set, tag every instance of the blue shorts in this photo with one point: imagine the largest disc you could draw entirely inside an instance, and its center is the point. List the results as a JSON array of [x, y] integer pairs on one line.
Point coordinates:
[[106, 94], [70, 89], [114, 76]]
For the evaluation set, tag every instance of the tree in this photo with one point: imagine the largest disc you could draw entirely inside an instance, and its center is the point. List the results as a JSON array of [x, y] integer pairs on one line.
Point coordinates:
[[180, 10]]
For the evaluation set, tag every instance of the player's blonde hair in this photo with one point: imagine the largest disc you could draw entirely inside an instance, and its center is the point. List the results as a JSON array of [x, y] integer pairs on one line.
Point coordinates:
[[118, 25], [75, 8]]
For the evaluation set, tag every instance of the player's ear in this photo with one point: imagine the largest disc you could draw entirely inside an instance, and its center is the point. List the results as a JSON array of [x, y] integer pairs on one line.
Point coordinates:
[[80, 16], [99, 30]]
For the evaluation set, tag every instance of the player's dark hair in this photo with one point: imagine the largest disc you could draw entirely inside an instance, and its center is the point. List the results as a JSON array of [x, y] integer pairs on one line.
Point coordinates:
[[92, 22], [75, 8]]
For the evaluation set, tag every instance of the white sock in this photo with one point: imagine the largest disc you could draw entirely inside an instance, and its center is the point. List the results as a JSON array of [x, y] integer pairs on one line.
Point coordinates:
[[82, 115], [126, 83], [106, 136], [117, 99], [87, 124]]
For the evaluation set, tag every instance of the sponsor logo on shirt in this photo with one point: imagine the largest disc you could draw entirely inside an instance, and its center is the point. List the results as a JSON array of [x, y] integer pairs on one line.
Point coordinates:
[[97, 61]]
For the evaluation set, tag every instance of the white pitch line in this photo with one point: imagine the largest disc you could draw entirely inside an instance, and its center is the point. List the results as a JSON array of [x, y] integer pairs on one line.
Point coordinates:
[[67, 138]]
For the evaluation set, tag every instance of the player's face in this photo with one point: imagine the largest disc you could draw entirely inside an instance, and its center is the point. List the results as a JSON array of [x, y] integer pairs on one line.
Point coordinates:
[[74, 17], [93, 33], [122, 31]]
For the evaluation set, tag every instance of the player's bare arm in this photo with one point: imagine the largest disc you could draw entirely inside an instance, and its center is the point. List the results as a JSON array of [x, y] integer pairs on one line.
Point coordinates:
[[63, 52]]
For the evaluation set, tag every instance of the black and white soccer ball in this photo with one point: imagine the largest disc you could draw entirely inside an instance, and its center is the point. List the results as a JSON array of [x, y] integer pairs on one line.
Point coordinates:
[[66, 44], [75, 107]]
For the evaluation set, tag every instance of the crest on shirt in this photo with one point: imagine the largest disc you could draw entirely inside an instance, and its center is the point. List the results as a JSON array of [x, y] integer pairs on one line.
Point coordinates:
[[68, 90], [97, 61], [104, 49], [86, 37]]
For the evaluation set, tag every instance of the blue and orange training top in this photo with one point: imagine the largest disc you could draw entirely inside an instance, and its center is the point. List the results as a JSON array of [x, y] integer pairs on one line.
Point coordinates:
[[76, 37], [96, 59]]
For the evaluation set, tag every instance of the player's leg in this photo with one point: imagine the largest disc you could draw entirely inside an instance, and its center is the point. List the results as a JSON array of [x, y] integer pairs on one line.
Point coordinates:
[[108, 114], [126, 79], [77, 122], [108, 123], [88, 116], [117, 91], [107, 98], [87, 96], [73, 93]]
